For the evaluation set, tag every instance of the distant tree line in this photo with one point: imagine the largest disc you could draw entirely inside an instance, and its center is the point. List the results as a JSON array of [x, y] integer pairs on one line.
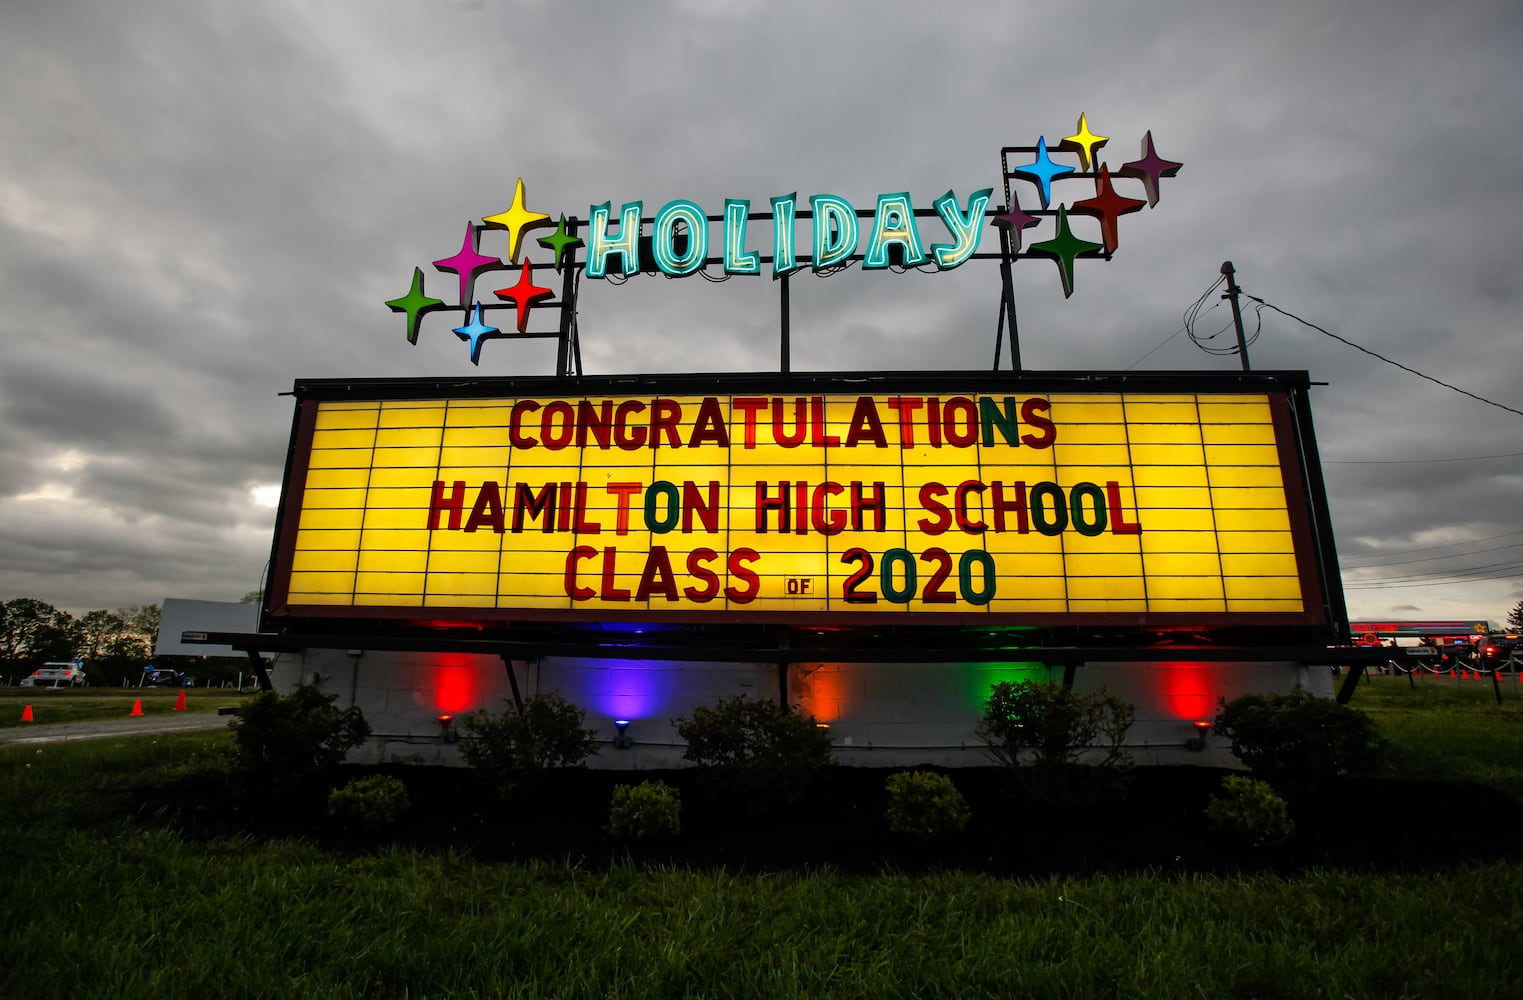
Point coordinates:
[[115, 645]]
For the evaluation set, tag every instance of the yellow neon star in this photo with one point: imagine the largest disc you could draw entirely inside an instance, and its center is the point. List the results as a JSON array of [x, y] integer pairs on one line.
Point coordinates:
[[1085, 143], [517, 220]]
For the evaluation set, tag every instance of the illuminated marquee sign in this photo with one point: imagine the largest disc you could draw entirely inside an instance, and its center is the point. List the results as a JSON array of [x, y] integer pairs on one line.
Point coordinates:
[[970, 498], [684, 239]]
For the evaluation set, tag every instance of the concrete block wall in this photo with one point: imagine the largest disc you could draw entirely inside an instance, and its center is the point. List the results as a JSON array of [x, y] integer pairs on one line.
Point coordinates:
[[880, 714]]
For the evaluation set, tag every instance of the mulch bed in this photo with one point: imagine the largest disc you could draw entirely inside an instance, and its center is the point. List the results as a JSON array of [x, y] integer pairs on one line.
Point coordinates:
[[1151, 821]]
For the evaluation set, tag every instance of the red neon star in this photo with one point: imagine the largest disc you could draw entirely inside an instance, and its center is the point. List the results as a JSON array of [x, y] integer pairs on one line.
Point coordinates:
[[1108, 207], [524, 294]]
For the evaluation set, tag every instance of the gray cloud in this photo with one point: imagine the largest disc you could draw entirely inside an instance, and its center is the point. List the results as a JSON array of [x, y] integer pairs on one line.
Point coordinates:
[[201, 203]]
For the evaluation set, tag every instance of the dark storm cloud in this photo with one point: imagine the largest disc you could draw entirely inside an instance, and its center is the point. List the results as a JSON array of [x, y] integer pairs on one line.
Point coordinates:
[[200, 203]]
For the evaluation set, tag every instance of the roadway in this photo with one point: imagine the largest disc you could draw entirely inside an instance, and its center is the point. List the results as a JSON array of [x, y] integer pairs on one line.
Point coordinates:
[[27, 734]]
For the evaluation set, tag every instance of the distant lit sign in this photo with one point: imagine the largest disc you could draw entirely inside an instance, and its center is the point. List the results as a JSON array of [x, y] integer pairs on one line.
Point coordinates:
[[785, 507], [683, 237]]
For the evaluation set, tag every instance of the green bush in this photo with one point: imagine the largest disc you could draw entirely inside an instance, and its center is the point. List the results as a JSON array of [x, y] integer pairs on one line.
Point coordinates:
[[369, 804], [514, 748], [294, 735], [1042, 733], [1298, 737], [1251, 811], [651, 810], [1053, 725], [925, 804], [756, 747]]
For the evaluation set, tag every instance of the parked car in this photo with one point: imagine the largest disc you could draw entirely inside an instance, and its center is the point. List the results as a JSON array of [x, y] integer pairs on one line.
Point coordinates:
[[56, 675], [164, 678], [1500, 651]]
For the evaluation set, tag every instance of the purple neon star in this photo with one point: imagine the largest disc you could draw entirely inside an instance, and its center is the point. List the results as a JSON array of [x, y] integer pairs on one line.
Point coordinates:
[[1015, 220], [1150, 168], [468, 263]]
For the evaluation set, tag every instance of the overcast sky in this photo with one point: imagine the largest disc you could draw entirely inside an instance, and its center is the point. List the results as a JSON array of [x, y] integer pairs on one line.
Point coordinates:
[[202, 202]]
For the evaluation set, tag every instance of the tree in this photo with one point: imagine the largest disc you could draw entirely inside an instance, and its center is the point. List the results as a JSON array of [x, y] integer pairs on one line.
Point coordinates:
[[252, 597], [33, 632], [144, 621], [1515, 616], [96, 630]]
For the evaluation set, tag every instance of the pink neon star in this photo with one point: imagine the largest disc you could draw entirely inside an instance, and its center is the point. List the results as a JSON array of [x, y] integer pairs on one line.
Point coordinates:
[[467, 263], [524, 294]]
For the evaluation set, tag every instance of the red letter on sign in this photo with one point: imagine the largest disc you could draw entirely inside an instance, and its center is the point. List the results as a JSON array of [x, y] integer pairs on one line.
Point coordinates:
[[455, 504], [739, 570], [1119, 524], [572, 590]]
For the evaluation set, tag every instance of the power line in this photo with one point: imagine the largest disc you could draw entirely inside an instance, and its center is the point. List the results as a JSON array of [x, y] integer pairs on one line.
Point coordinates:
[[1487, 571], [1431, 548], [1452, 555], [1432, 583], [1415, 461], [1381, 357], [1191, 314]]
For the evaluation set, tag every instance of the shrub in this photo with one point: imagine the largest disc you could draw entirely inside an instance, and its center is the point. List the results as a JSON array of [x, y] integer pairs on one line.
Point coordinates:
[[925, 804], [295, 735], [370, 804], [1053, 724], [1298, 737], [513, 748], [1251, 811], [651, 810], [756, 746]]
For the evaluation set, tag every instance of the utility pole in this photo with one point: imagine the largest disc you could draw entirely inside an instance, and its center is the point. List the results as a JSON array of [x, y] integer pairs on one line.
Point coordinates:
[[1237, 313]]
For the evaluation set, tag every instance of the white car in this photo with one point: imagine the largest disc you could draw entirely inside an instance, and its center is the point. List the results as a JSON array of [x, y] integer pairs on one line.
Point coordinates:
[[55, 675]]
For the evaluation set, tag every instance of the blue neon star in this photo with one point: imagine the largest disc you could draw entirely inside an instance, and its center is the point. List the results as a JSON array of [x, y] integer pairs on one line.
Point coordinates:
[[476, 331], [1042, 170]]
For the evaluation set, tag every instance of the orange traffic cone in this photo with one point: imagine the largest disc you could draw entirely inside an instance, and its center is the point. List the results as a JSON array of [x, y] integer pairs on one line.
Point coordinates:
[[26, 714], [137, 707], [180, 701]]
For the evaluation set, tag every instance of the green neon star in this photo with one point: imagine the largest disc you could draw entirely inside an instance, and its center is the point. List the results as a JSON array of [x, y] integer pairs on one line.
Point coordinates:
[[1065, 247], [559, 241], [415, 304]]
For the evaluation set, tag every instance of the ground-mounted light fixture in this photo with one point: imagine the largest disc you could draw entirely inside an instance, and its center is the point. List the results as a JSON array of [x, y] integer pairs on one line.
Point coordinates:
[[622, 740], [447, 728], [1198, 741]]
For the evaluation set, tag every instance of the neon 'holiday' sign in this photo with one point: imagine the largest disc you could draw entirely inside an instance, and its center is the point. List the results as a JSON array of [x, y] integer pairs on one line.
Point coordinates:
[[891, 234]]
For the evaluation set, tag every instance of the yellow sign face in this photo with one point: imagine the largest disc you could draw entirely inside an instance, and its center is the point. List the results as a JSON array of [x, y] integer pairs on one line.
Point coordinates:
[[796, 508]]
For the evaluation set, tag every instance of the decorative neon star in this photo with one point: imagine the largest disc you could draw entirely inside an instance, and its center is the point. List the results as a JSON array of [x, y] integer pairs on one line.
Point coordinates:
[[517, 220], [1065, 247], [1042, 170], [1015, 220], [468, 263], [1084, 142], [1151, 168], [415, 304], [1108, 207], [476, 331], [559, 242], [524, 294]]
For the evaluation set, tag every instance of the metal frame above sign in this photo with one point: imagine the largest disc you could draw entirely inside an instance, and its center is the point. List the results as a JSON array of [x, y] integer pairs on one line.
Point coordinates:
[[676, 241]]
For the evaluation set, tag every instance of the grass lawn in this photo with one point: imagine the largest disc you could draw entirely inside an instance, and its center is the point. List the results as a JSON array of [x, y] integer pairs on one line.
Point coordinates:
[[1450, 729], [91, 704], [97, 905]]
